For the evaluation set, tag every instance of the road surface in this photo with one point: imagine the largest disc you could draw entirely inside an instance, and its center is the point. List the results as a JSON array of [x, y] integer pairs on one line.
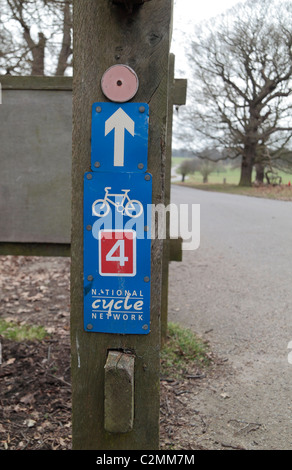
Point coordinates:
[[236, 291]]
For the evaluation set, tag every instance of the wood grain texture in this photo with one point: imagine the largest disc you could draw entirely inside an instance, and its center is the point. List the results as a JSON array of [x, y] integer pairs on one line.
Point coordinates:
[[119, 392], [180, 91], [104, 35], [10, 82], [165, 261], [177, 89]]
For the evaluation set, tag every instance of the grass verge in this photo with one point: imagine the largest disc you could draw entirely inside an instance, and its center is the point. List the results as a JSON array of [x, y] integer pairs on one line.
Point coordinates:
[[183, 352], [281, 193], [16, 332]]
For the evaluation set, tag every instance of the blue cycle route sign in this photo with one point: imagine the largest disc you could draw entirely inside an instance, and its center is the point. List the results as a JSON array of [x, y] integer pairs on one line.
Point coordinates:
[[117, 252], [119, 137]]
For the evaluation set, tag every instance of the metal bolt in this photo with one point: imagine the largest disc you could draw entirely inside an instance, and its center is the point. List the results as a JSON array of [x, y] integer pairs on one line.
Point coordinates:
[[140, 166], [146, 279], [145, 327], [98, 109], [88, 227], [90, 278], [89, 326], [147, 177], [89, 176], [97, 164], [142, 109], [146, 228]]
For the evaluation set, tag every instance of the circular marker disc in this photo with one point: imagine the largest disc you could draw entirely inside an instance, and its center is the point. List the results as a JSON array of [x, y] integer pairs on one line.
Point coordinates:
[[119, 83]]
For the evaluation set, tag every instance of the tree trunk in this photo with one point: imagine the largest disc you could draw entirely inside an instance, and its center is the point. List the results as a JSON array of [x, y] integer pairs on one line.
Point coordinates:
[[38, 55], [37, 50], [260, 172], [247, 164], [66, 49], [245, 177]]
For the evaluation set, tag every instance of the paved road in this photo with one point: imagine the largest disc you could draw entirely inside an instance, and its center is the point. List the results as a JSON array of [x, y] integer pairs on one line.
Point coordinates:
[[236, 290]]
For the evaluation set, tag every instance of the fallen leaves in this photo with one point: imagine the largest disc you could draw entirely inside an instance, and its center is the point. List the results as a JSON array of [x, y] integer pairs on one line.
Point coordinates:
[[35, 395], [35, 392], [31, 288], [29, 423]]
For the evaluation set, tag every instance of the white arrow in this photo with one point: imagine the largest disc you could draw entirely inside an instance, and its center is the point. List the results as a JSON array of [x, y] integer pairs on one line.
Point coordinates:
[[119, 121]]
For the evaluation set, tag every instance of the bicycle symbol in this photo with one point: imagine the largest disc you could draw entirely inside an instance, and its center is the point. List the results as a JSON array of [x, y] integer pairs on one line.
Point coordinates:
[[101, 207]]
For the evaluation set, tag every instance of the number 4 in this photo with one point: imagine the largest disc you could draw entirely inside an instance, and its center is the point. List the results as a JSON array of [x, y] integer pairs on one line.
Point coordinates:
[[117, 253], [120, 244]]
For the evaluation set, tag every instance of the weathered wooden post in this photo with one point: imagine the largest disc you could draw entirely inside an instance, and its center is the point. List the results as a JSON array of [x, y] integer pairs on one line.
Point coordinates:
[[135, 34], [172, 249]]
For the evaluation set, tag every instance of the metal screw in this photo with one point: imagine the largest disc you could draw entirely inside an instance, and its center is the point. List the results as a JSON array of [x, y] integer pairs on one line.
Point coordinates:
[[88, 227], [98, 109], [146, 279], [146, 228], [142, 109], [90, 278], [145, 327], [97, 164], [89, 176], [140, 166], [89, 326], [147, 177]]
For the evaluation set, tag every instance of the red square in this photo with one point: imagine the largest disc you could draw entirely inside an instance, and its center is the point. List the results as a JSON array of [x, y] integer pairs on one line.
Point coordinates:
[[117, 253]]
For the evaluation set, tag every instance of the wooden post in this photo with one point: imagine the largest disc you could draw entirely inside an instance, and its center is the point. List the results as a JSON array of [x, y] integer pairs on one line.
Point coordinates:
[[119, 392], [165, 267], [106, 34], [176, 96]]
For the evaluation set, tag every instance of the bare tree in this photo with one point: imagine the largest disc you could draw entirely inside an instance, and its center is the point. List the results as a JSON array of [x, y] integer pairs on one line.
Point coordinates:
[[187, 167], [66, 49], [36, 36], [206, 167], [242, 63]]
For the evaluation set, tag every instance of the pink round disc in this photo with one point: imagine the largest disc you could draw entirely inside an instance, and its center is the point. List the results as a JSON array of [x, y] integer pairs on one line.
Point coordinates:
[[119, 83]]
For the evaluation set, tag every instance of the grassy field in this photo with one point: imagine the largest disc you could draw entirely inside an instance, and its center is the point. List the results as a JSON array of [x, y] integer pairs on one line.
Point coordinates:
[[227, 181]]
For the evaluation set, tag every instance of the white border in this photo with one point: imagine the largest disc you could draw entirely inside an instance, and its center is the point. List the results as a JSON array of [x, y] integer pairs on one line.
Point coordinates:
[[134, 253]]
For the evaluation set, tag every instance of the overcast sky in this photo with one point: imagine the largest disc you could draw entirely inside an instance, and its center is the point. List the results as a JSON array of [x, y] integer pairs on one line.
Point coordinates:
[[186, 14]]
